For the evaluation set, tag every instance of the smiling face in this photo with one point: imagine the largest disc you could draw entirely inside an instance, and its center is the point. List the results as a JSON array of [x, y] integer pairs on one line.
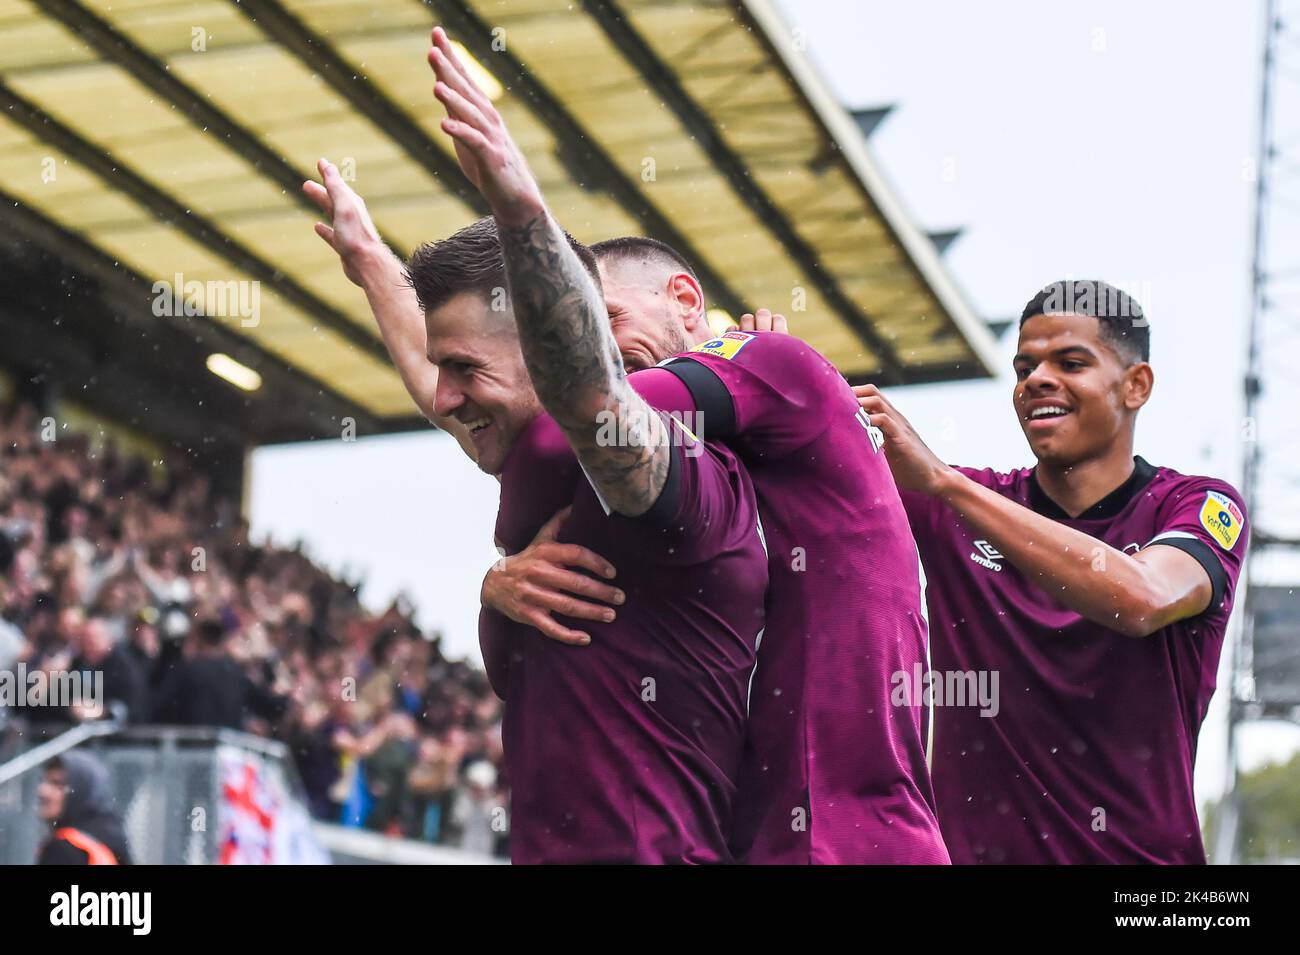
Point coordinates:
[[482, 381], [655, 311], [1074, 396]]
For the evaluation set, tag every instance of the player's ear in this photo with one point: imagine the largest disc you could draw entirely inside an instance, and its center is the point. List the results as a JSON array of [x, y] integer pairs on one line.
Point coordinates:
[[1138, 382], [686, 292]]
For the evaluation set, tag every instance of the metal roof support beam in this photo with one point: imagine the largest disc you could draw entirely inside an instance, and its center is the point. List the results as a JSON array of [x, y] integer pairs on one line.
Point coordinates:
[[870, 118], [944, 240], [316, 53], [762, 18], [114, 46], [916, 375], [128, 294], [167, 210], [733, 168]]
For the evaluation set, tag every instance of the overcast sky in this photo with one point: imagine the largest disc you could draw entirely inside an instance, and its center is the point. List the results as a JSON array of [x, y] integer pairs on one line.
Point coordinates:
[[1102, 140]]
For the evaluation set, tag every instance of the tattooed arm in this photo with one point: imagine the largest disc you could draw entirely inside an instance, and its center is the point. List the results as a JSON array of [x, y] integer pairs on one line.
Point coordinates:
[[564, 331], [574, 364]]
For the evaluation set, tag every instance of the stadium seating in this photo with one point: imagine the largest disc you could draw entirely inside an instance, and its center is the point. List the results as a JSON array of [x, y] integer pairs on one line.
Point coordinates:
[[136, 568]]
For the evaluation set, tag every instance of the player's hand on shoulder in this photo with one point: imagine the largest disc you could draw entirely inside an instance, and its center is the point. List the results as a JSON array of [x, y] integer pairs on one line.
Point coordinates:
[[914, 466], [538, 582], [350, 231], [764, 320]]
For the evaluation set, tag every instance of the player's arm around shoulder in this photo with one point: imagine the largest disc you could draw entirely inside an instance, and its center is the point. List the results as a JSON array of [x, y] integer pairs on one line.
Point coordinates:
[[545, 579]]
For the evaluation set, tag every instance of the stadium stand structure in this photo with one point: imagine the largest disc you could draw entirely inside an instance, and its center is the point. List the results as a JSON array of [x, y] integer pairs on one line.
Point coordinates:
[[175, 189]]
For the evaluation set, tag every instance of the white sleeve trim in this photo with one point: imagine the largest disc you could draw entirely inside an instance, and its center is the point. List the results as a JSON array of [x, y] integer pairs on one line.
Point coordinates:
[[1171, 535], [600, 497]]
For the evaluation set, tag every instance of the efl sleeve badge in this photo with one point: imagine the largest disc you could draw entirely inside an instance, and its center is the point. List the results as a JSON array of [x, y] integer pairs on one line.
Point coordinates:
[[1222, 518], [727, 345]]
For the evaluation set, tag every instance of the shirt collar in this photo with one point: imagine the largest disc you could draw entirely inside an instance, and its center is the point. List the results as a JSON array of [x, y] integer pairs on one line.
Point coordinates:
[[1108, 507]]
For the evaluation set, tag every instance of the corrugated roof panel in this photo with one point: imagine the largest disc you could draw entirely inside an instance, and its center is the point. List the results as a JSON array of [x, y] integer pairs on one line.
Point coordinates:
[[176, 25], [160, 253], [685, 184], [395, 62], [28, 41], [151, 137], [760, 111]]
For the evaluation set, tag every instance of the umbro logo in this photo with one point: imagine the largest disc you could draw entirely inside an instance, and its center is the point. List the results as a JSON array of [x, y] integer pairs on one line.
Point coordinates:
[[874, 434], [986, 555]]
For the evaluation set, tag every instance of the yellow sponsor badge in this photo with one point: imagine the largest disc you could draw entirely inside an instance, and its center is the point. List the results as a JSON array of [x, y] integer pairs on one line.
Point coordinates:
[[726, 345], [1222, 518]]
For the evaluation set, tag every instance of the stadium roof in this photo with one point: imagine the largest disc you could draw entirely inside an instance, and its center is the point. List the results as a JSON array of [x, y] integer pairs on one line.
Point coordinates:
[[149, 141]]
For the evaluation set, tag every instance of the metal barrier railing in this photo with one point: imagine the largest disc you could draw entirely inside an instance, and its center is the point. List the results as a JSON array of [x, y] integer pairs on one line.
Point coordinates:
[[38, 756], [194, 795], [187, 795]]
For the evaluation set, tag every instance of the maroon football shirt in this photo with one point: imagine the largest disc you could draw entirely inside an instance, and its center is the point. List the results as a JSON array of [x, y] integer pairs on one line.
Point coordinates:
[[1086, 754], [627, 750], [834, 772]]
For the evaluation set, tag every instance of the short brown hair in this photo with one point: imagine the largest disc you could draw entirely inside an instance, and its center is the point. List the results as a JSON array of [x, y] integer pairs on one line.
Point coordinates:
[[470, 261], [642, 248]]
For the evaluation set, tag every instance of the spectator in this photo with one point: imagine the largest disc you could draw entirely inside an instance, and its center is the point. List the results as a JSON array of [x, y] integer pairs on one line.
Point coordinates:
[[386, 773], [12, 642], [124, 684], [209, 688], [141, 570], [477, 811], [432, 785], [73, 798]]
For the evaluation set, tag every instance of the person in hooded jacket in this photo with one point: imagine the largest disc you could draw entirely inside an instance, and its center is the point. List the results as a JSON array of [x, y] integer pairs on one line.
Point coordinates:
[[74, 798]]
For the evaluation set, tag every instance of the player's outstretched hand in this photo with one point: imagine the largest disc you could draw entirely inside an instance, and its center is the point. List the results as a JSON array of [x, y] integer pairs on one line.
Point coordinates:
[[536, 583], [764, 320], [488, 155], [913, 464], [350, 231]]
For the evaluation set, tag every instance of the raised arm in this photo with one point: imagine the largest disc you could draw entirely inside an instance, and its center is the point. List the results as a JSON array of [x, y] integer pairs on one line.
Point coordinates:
[[372, 266], [564, 331]]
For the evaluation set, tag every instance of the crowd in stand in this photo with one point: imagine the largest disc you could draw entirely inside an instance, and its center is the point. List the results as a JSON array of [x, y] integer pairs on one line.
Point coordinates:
[[111, 564]]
